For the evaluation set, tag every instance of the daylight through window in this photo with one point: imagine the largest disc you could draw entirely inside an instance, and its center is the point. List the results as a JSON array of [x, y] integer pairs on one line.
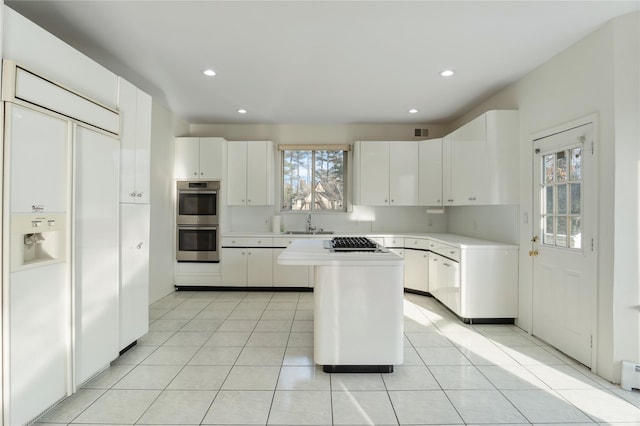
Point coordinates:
[[313, 179]]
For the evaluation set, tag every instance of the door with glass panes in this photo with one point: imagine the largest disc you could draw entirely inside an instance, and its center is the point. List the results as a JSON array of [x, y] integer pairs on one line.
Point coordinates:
[[563, 245]]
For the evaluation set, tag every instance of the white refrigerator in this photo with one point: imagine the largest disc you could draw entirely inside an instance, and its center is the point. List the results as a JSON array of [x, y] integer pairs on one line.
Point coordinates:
[[36, 280], [60, 258]]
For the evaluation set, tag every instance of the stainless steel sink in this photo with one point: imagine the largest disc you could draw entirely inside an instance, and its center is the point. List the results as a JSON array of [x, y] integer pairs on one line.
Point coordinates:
[[309, 232]]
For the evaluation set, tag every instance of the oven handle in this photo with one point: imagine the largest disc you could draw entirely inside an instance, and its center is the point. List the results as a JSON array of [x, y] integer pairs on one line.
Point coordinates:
[[197, 227], [195, 191]]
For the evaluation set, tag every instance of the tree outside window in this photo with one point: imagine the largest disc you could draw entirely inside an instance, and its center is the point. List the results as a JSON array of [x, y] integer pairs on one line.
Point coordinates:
[[313, 180]]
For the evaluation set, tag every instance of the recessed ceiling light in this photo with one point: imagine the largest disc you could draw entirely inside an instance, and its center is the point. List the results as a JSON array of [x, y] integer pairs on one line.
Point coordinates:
[[242, 111], [209, 72], [447, 73], [413, 111]]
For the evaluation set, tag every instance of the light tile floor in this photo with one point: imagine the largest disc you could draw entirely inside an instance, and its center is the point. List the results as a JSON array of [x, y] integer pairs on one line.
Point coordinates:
[[229, 358]]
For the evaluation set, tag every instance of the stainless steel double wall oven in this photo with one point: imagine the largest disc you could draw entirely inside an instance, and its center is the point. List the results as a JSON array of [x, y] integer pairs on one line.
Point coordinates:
[[197, 226]]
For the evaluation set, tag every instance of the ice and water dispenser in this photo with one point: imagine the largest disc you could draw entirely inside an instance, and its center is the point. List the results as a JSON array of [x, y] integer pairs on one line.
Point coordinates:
[[37, 239]]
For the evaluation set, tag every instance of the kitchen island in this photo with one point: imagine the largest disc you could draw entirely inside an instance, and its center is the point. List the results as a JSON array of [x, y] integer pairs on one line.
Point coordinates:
[[358, 306]]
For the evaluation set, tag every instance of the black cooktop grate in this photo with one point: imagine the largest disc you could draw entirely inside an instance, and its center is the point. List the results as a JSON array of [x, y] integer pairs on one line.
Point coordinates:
[[353, 244]]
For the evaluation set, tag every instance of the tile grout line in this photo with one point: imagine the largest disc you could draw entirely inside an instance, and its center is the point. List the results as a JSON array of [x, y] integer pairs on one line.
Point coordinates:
[[180, 370]]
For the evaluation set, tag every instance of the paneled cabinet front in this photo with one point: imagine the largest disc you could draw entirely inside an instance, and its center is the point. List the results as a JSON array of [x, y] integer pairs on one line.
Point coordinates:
[[135, 143], [387, 173], [247, 262], [416, 269], [134, 272], [430, 185], [199, 158], [480, 161], [250, 173]]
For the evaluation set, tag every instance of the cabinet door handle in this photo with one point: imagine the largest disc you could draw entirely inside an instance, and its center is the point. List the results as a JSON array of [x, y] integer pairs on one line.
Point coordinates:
[[133, 194], [248, 201], [386, 201], [201, 173], [195, 173], [139, 194], [139, 246], [446, 264], [438, 201], [472, 198]]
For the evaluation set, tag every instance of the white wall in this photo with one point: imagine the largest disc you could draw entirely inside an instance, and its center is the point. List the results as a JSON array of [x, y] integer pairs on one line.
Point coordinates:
[[497, 223], [362, 219], [583, 80], [164, 127], [626, 275], [316, 133]]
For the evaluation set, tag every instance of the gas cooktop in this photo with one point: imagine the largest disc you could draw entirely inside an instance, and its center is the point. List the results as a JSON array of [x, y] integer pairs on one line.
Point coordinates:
[[347, 244]]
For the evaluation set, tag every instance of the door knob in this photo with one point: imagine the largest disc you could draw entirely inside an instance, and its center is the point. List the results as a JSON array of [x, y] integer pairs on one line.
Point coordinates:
[[533, 253]]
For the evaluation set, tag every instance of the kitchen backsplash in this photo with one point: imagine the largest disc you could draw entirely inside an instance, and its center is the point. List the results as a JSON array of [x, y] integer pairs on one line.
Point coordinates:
[[362, 219]]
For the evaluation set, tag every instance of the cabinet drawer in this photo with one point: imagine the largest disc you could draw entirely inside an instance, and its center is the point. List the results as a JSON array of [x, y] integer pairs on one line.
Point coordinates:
[[393, 242], [446, 250], [416, 243], [284, 241], [246, 242]]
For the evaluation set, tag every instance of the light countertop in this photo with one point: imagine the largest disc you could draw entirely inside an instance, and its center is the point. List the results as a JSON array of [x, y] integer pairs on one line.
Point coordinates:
[[460, 241], [312, 252]]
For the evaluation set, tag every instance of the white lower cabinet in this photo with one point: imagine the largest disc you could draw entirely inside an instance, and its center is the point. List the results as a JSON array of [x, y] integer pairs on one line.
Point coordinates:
[[449, 273], [444, 281], [134, 272], [233, 266], [247, 262], [416, 270], [475, 283], [288, 276]]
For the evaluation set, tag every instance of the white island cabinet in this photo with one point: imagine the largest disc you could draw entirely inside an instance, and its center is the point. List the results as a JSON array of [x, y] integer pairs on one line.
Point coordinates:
[[358, 307]]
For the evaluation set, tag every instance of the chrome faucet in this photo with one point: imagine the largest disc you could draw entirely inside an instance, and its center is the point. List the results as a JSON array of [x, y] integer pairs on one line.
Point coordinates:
[[310, 228]]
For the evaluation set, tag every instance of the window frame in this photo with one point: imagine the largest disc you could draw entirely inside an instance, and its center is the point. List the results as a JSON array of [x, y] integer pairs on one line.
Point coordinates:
[[347, 206]]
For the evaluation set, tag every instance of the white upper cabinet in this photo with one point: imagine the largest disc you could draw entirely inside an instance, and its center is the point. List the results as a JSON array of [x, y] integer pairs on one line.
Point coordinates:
[[469, 163], [135, 135], [33, 47], [480, 161], [373, 180], [387, 173], [430, 184], [199, 158], [250, 173]]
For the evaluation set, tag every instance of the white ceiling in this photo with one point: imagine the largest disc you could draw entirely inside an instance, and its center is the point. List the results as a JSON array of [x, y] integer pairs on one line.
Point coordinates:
[[325, 62]]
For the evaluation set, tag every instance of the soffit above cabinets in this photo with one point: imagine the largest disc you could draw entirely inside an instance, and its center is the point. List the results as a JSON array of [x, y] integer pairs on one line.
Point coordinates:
[[321, 62]]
